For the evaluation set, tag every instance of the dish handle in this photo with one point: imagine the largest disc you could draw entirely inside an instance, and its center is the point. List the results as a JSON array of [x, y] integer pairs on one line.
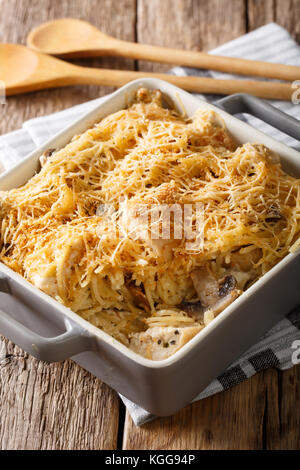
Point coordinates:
[[243, 103], [73, 341]]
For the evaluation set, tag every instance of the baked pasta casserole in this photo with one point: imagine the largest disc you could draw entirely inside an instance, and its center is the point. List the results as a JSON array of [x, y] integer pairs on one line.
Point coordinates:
[[75, 230]]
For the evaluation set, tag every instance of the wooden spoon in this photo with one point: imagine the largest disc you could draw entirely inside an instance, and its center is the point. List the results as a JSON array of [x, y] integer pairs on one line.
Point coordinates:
[[23, 70], [67, 37]]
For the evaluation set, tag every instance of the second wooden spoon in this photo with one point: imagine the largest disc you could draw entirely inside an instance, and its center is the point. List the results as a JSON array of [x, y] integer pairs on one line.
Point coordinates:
[[23, 70], [67, 37]]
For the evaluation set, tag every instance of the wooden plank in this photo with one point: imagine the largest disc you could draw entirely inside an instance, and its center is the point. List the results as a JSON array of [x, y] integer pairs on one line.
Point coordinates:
[[251, 415], [57, 406], [287, 434], [284, 12], [188, 24], [287, 14], [18, 18], [197, 25], [234, 419], [284, 435], [260, 13], [260, 413], [60, 405]]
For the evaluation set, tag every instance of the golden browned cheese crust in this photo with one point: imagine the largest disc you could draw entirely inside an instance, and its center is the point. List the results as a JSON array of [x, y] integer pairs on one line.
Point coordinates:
[[65, 233]]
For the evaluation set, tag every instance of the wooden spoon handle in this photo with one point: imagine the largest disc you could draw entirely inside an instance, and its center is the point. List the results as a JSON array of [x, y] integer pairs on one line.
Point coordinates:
[[261, 89], [206, 61]]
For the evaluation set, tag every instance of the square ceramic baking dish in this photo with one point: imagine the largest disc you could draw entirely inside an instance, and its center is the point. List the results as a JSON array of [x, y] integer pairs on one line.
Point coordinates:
[[52, 332]]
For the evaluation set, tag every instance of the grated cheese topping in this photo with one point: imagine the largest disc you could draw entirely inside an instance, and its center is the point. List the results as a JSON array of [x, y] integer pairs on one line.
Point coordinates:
[[59, 229]]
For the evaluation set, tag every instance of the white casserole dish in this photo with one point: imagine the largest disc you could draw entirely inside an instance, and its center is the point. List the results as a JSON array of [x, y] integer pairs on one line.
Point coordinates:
[[52, 332]]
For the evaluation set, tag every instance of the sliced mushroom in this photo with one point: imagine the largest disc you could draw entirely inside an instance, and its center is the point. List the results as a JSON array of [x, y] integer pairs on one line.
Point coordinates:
[[138, 296], [193, 309], [214, 295], [227, 284], [274, 214], [206, 286], [223, 302], [43, 158]]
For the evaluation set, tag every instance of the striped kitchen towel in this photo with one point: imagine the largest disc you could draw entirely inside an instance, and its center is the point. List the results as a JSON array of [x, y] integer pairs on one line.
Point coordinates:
[[268, 43]]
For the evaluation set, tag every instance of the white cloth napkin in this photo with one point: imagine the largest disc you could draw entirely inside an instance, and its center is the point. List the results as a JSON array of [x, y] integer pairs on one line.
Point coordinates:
[[268, 43]]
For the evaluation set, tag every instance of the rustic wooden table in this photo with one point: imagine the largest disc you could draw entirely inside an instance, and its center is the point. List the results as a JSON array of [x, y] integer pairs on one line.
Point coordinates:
[[61, 406]]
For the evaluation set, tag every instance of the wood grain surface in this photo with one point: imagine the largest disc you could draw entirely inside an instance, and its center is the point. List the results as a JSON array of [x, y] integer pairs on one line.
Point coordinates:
[[61, 406], [58, 406]]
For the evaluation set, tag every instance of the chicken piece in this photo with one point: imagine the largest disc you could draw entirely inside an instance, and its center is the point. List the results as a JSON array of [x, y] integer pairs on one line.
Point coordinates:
[[67, 258], [165, 193], [135, 223], [158, 343], [245, 261], [65, 203], [173, 289], [53, 276], [162, 248], [44, 278], [241, 266], [160, 206], [147, 96], [242, 277]]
